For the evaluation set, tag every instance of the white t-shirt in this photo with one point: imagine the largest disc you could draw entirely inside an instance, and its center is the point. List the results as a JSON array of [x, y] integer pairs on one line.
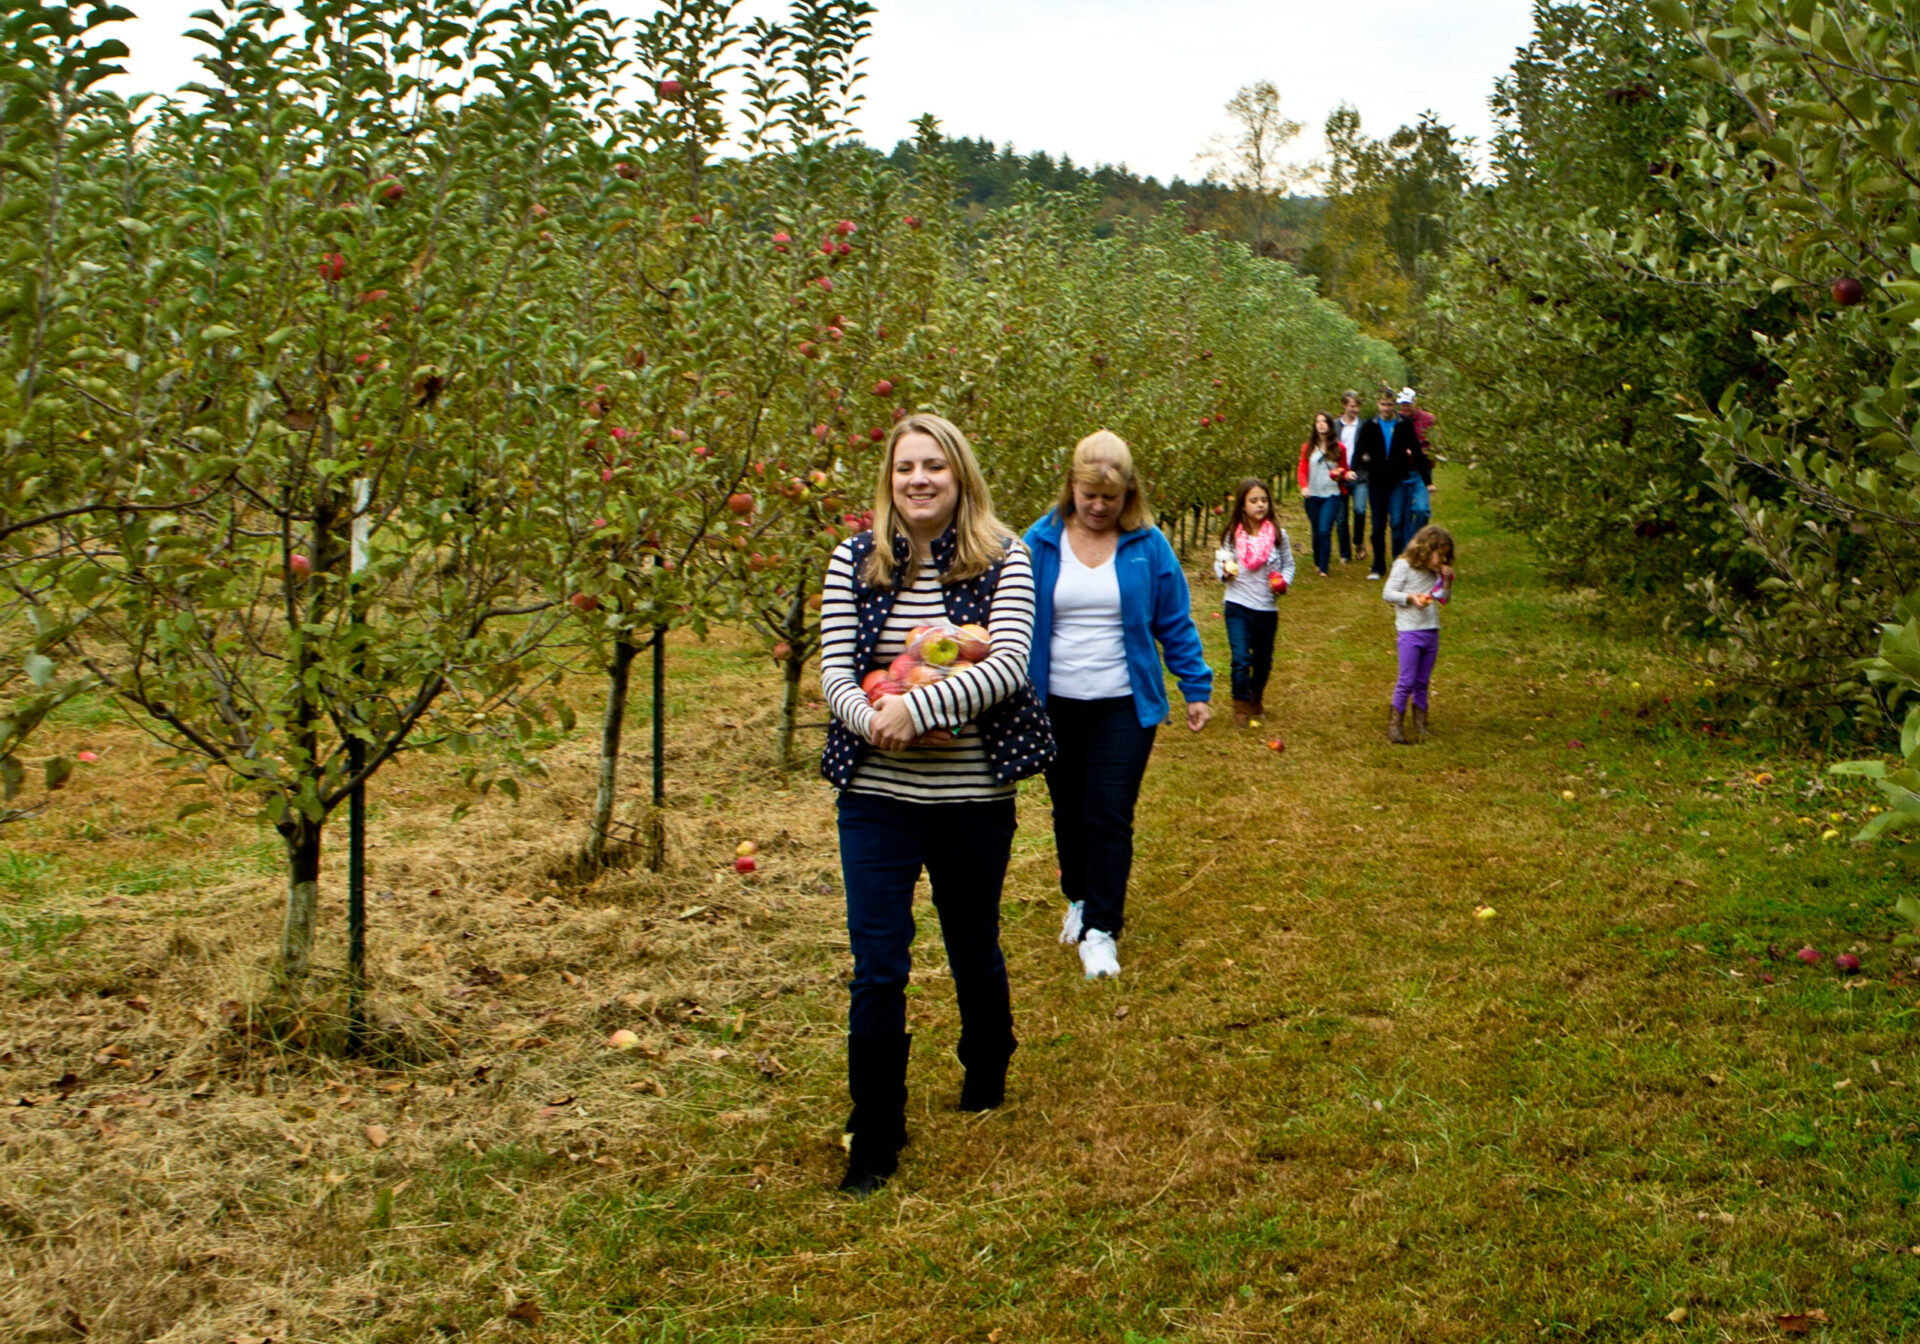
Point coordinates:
[[1088, 656], [1349, 436]]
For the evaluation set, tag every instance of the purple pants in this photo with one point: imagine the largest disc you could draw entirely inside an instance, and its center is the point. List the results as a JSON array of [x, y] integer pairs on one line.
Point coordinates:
[[1418, 651]]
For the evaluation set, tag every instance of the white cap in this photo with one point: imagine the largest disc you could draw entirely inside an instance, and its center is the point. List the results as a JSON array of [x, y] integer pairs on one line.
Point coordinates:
[[1406, 396]]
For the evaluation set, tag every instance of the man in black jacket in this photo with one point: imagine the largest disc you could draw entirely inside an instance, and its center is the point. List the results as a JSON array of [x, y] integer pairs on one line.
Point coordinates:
[[1387, 455]]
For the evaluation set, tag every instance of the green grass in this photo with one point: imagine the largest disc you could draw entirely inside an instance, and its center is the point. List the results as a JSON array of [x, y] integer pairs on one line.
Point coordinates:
[[1385, 1119], [1337, 1105]]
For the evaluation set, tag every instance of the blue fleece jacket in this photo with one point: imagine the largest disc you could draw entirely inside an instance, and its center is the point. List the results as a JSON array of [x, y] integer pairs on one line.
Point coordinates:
[[1154, 605]]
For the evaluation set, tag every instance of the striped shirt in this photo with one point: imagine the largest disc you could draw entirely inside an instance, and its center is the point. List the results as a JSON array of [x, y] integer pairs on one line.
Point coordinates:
[[938, 773]]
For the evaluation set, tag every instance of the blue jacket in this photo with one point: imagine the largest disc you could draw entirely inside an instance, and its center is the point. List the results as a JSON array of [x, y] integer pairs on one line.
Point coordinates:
[[1154, 605]]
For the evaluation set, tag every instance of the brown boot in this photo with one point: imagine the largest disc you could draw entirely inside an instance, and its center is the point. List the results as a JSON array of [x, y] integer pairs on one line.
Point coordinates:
[[1395, 733], [1260, 706], [1419, 723], [1242, 713]]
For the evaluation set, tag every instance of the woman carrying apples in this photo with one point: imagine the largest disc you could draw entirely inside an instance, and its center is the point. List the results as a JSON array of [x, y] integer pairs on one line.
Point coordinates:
[[933, 609], [1107, 588]]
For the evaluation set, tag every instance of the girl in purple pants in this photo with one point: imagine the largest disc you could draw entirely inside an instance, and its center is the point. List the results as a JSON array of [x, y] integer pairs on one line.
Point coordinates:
[[1421, 580]]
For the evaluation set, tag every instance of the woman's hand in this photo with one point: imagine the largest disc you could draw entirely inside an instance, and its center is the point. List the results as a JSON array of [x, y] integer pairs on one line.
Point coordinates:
[[892, 726], [1198, 714]]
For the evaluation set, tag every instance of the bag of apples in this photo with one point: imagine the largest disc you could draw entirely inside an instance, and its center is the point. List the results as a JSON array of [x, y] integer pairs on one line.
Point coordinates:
[[932, 652]]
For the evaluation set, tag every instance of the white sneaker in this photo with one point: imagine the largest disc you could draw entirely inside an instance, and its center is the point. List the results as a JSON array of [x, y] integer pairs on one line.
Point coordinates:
[[1097, 955], [1070, 926]]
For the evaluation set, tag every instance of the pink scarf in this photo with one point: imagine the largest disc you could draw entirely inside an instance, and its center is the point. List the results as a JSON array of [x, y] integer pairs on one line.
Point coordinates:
[[1253, 551]]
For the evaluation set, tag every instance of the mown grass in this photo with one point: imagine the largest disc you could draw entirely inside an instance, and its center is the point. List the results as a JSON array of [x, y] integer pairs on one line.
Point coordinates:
[[1325, 1100]]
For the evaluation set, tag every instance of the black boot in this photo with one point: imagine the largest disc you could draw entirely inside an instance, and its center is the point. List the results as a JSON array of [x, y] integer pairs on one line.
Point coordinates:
[[986, 1043], [877, 1078]]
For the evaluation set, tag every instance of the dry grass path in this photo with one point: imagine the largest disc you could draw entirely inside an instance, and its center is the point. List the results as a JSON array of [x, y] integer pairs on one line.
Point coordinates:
[[1324, 1101]]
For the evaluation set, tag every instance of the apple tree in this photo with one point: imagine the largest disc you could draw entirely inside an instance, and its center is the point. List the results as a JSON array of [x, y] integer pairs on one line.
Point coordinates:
[[336, 330]]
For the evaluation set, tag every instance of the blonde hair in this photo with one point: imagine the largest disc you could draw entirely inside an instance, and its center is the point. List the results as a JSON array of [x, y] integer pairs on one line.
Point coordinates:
[[1430, 548], [1103, 460], [981, 537]]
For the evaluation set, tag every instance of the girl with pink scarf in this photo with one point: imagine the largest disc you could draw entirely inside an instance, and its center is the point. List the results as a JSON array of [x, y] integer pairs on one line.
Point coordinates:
[[1255, 561]]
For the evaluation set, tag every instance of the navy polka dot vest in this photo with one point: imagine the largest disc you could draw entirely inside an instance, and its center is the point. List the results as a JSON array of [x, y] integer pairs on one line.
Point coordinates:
[[1017, 736]]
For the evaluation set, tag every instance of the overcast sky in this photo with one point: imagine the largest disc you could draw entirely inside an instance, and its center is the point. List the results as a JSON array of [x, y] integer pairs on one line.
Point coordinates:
[[1139, 82]]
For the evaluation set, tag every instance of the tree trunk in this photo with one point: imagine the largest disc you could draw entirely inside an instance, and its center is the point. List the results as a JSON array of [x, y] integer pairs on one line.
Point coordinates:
[[619, 674], [302, 837], [794, 667]]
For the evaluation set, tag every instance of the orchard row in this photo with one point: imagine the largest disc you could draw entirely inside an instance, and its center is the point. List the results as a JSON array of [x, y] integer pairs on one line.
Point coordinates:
[[412, 363]]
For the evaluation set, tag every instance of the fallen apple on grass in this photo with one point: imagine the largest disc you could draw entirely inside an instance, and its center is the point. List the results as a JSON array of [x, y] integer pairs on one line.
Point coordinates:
[[87, 757], [744, 864], [746, 849], [623, 1040], [1847, 964], [1812, 956]]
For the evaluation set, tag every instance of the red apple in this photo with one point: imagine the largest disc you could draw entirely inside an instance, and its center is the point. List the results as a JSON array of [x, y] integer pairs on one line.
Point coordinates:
[[883, 388], [741, 503], [86, 757], [1847, 964], [388, 190], [974, 643], [627, 171], [921, 674], [671, 88], [901, 668], [825, 284], [913, 221], [584, 602], [744, 864], [846, 227], [1847, 291], [299, 566], [332, 266]]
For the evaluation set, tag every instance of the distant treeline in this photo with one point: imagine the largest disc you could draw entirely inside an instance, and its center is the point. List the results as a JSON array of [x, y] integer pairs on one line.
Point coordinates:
[[991, 174]]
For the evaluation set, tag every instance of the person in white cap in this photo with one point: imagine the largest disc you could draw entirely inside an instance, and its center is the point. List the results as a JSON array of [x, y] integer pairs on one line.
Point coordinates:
[[1410, 471], [1420, 486]]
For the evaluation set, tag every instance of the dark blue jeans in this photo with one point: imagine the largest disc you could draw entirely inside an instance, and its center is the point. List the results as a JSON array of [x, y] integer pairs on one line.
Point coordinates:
[[1340, 530], [1094, 782], [1250, 639], [964, 847], [1322, 514], [1400, 514]]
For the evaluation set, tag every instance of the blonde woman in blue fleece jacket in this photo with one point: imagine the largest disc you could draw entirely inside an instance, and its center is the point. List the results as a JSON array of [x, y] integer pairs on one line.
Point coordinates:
[[1107, 589]]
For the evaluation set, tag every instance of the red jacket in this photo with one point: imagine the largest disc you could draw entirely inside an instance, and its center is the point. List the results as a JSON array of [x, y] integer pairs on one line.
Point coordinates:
[[1337, 453]]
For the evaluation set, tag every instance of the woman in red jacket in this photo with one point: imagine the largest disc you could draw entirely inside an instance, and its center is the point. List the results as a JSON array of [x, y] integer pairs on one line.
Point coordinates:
[[1323, 480]]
